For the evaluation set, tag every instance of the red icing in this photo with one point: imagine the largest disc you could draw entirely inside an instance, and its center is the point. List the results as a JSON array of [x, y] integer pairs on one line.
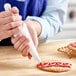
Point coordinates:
[[73, 44], [56, 64]]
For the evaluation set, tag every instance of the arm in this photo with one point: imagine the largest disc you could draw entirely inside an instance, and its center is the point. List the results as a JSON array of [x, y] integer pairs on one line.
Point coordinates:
[[52, 19]]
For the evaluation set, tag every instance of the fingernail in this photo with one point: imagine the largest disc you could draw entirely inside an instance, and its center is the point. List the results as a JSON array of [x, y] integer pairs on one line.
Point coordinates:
[[15, 10]]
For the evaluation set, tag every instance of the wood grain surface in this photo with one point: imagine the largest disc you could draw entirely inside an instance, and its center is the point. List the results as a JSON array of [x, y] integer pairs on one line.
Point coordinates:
[[13, 64]]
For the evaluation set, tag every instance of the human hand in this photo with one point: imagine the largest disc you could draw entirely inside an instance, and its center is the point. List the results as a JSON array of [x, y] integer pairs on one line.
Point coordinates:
[[22, 42], [9, 23]]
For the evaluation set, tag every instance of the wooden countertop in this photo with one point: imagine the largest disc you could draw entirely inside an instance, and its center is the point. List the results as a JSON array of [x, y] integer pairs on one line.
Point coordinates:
[[13, 64]]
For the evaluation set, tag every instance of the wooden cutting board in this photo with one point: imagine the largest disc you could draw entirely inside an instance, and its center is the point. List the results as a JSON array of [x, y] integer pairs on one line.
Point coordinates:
[[13, 64]]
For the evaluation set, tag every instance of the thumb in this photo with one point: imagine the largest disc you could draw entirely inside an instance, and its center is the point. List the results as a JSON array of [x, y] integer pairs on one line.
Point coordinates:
[[32, 32], [15, 10]]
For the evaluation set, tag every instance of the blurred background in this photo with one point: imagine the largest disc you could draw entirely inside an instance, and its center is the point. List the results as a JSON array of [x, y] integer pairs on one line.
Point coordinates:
[[69, 28]]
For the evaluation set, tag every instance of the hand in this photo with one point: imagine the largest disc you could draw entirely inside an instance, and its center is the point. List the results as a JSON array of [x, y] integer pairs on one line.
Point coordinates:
[[9, 23], [22, 42]]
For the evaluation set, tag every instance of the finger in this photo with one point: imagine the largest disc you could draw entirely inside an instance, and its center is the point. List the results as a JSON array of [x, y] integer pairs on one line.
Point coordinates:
[[15, 39], [15, 10], [12, 25], [19, 42], [5, 14], [34, 37], [25, 51], [33, 34], [35, 40], [9, 33], [13, 32], [23, 45], [9, 19]]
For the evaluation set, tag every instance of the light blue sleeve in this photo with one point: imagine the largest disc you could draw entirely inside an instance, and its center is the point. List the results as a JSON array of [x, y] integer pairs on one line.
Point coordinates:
[[52, 19]]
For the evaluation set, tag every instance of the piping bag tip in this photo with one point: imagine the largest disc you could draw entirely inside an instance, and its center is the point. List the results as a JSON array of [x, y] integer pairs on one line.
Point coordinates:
[[7, 6]]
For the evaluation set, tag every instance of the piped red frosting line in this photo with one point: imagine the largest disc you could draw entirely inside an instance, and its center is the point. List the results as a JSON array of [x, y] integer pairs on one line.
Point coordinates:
[[73, 44], [56, 64]]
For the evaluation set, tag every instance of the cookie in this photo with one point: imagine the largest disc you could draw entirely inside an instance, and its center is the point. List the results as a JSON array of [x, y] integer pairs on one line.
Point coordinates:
[[72, 46], [70, 49], [54, 66]]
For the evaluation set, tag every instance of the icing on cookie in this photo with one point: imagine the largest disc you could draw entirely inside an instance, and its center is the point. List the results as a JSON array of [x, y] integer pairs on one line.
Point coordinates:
[[55, 64]]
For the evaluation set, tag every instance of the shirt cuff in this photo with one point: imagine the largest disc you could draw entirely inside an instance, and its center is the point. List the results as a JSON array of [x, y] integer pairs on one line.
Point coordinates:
[[43, 36]]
